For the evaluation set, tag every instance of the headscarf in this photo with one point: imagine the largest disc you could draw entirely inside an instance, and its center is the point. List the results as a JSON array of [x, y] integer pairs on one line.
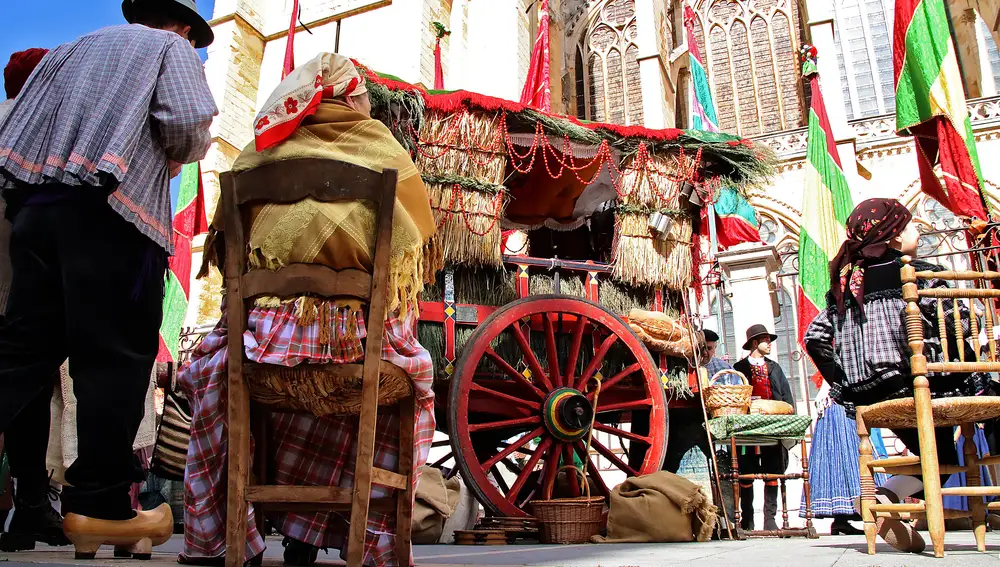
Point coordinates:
[[17, 71], [328, 75], [870, 227]]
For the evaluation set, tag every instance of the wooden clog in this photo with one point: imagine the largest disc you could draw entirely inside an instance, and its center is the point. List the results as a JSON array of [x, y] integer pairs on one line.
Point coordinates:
[[138, 535]]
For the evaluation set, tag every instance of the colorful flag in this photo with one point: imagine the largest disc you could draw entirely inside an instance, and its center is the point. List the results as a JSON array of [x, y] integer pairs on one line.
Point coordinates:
[[289, 64], [930, 106], [702, 106], [735, 218], [189, 221], [537, 91], [826, 204]]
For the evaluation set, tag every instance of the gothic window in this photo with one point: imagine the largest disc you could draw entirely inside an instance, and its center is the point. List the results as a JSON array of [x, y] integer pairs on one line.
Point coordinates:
[[612, 92], [863, 36], [581, 99], [750, 50]]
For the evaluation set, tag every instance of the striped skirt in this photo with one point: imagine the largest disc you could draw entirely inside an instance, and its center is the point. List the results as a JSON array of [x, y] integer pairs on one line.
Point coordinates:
[[982, 448], [834, 482]]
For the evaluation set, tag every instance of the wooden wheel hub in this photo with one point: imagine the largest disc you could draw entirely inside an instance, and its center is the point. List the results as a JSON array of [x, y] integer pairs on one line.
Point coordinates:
[[567, 414]]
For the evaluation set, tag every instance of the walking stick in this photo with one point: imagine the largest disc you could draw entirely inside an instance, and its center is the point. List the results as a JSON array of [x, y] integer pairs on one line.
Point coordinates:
[[714, 474]]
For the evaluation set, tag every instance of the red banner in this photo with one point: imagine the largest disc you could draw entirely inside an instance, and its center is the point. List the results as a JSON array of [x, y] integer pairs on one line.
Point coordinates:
[[537, 91]]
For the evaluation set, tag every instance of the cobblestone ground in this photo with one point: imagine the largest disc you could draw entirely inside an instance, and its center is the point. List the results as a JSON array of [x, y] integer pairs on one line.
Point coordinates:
[[826, 551]]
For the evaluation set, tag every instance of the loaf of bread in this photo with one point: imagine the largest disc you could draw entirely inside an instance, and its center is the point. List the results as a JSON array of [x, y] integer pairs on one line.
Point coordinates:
[[662, 333], [771, 407]]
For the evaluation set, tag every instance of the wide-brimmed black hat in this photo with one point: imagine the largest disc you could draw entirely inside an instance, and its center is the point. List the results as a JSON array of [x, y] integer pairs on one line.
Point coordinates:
[[757, 331], [184, 10]]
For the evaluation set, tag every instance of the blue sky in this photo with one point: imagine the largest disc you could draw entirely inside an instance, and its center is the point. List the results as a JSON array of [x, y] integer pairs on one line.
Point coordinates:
[[48, 23]]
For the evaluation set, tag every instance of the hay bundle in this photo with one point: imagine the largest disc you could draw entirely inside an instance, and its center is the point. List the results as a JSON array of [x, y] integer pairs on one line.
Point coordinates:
[[464, 143], [651, 183], [468, 220], [463, 158]]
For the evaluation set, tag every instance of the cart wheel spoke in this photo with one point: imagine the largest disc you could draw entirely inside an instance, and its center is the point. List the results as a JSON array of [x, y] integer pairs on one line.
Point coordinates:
[[611, 382], [529, 355], [551, 470], [609, 455], [521, 442], [528, 468], [597, 361], [550, 351], [574, 348], [602, 487], [499, 478], [574, 481], [622, 433], [507, 398], [624, 406], [505, 424], [513, 373]]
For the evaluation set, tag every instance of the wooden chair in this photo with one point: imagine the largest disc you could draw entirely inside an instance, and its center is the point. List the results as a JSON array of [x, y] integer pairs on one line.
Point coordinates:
[[288, 182], [924, 414]]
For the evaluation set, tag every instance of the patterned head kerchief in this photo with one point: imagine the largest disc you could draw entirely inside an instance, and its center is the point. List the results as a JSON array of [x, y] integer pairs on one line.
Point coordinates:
[[870, 227], [328, 75]]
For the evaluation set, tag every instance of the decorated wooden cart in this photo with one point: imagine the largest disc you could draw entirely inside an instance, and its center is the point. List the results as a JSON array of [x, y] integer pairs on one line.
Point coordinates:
[[550, 230]]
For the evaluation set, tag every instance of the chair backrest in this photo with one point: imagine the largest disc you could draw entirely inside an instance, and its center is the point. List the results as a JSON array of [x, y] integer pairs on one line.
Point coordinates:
[[290, 181], [958, 310]]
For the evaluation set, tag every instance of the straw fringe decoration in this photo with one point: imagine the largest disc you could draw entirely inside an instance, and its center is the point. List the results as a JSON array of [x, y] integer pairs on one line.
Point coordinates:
[[641, 259], [467, 144], [468, 223]]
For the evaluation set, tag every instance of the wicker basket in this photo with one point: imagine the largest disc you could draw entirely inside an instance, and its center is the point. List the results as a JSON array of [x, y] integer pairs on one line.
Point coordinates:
[[726, 399], [569, 520], [322, 389]]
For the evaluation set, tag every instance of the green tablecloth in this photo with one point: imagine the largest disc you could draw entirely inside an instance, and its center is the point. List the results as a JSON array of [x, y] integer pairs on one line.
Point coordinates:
[[790, 427]]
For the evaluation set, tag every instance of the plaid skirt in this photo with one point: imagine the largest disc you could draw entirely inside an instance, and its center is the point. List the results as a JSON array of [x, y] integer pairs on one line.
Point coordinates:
[[308, 450]]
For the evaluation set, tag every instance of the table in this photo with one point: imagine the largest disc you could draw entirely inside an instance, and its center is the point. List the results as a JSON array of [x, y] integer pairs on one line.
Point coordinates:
[[766, 430]]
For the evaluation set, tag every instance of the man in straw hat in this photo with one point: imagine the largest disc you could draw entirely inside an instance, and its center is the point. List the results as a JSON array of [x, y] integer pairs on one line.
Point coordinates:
[[85, 158], [769, 383]]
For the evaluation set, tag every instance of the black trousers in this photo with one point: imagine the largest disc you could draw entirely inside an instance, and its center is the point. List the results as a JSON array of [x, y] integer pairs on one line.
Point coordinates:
[[687, 430], [83, 289]]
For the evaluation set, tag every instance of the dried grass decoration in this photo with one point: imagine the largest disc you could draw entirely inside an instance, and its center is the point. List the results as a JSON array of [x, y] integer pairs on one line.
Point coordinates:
[[462, 157], [651, 183]]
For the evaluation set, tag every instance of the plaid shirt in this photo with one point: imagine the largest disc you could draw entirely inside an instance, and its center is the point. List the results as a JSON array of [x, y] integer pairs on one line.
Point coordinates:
[[308, 450], [866, 358], [109, 110]]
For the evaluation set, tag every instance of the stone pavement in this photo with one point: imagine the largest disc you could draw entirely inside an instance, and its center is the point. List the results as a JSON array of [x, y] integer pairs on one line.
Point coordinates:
[[827, 551]]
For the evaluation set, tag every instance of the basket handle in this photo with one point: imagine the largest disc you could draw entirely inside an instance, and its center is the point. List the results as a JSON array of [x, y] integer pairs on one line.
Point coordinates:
[[586, 485], [726, 371]]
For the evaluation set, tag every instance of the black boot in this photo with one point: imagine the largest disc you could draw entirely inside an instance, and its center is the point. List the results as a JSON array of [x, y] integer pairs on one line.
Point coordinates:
[[746, 508], [35, 520], [298, 554], [770, 507]]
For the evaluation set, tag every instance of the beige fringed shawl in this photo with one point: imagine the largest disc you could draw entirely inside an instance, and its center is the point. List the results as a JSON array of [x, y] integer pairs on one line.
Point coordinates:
[[341, 235]]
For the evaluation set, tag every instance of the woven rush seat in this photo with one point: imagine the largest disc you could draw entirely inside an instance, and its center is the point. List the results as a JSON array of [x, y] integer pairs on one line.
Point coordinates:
[[947, 412], [322, 389]]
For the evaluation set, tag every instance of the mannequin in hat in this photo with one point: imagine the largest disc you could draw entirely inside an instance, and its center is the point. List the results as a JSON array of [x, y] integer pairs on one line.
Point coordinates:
[[769, 383], [85, 158]]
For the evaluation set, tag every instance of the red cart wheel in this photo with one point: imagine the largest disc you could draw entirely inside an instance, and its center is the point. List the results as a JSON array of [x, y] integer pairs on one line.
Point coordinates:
[[522, 398]]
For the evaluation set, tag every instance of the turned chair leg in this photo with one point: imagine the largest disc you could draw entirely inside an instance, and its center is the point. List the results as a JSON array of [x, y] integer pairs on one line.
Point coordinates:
[[972, 477], [867, 482]]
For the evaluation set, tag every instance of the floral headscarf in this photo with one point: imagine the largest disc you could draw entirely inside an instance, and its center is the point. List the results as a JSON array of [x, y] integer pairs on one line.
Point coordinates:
[[328, 75], [870, 227]]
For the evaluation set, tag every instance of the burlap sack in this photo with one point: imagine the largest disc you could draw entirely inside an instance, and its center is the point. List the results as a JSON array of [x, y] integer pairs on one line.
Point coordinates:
[[658, 508], [435, 501]]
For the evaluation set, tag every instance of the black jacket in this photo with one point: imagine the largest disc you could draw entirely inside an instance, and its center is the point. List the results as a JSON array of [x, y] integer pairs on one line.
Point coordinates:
[[780, 390]]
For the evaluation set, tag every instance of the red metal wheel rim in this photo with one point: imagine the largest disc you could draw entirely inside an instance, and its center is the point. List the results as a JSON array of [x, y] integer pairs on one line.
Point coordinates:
[[517, 415]]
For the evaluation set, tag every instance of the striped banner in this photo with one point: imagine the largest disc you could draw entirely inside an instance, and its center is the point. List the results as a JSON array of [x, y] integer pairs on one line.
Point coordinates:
[[826, 204], [930, 106]]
